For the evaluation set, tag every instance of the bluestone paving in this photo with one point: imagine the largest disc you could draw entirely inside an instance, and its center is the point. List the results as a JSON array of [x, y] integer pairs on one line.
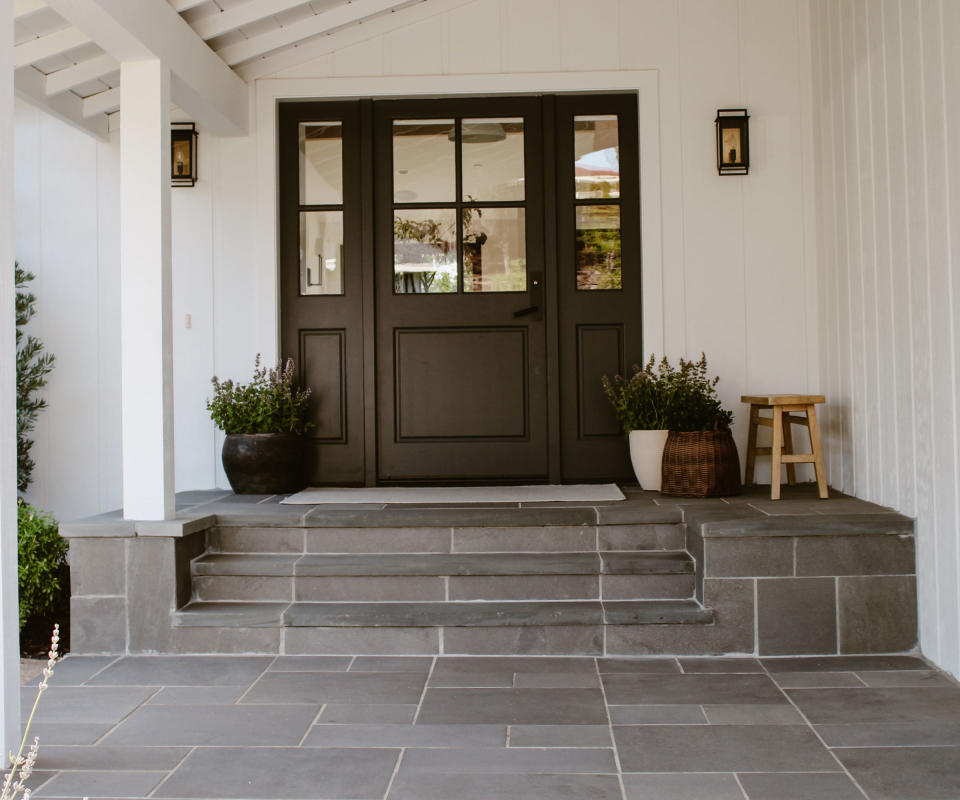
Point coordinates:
[[381, 735], [371, 727], [429, 786], [340, 687], [719, 748], [214, 725], [800, 786], [271, 772], [102, 783], [668, 689], [691, 786], [930, 773]]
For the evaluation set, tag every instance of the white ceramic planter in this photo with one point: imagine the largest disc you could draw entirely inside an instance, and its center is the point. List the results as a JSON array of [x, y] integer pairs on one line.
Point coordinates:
[[646, 454]]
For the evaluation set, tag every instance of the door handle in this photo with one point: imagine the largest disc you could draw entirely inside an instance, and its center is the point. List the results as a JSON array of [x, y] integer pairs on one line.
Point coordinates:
[[534, 294], [524, 311]]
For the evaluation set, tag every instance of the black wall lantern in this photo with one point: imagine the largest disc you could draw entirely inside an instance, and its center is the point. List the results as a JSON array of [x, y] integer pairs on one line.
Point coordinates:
[[733, 141], [183, 154]]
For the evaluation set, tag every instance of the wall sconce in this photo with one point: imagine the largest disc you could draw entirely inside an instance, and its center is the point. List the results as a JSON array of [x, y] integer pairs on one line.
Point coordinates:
[[733, 141], [183, 154]]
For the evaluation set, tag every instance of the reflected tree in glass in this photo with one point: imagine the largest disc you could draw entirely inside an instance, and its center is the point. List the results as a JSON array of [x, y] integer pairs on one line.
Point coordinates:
[[598, 254], [424, 251]]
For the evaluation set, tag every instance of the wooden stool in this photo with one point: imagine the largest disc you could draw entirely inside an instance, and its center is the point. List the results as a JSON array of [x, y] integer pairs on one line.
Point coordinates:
[[785, 408]]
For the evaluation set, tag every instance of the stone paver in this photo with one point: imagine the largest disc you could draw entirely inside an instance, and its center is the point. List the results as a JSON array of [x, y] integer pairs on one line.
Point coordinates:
[[498, 728]]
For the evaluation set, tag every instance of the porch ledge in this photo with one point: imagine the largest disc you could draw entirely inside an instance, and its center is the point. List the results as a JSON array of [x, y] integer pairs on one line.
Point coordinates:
[[112, 525]]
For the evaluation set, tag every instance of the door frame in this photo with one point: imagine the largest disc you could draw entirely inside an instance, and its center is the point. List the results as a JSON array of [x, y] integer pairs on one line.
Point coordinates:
[[269, 93]]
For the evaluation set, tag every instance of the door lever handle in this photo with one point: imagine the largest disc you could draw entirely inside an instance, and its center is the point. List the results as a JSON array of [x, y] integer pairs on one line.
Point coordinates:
[[524, 311]]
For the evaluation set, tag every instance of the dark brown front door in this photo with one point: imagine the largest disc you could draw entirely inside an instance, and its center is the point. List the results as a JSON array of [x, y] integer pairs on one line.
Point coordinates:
[[461, 355], [456, 276]]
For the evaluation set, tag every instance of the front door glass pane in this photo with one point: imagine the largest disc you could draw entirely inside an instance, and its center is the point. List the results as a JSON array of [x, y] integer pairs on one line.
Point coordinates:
[[494, 250], [596, 144], [424, 250], [321, 252], [321, 163], [424, 161], [492, 159], [598, 248]]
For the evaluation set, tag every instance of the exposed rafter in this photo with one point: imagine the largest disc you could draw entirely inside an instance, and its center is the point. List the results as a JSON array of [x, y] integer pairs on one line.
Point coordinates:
[[23, 8], [185, 5], [101, 103], [238, 16], [45, 46], [64, 80], [133, 30], [319, 46], [312, 26], [29, 86]]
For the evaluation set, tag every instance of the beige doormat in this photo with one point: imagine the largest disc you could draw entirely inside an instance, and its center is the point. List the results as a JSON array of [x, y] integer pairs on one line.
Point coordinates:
[[547, 493]]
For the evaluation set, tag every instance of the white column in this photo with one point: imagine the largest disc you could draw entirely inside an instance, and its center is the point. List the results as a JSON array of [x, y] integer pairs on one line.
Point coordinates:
[[145, 291], [9, 619]]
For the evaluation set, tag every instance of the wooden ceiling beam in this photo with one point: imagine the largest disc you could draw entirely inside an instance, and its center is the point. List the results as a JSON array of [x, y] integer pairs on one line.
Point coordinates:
[[29, 86], [52, 44], [238, 16], [350, 12], [63, 80], [135, 30]]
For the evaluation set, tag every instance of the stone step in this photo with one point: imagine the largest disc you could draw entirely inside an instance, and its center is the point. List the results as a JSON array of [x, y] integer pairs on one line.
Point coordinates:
[[480, 538], [451, 628], [455, 614], [635, 510], [479, 576], [442, 564]]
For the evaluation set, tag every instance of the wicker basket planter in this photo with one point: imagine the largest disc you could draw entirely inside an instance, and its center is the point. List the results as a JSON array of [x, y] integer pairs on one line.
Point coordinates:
[[700, 464]]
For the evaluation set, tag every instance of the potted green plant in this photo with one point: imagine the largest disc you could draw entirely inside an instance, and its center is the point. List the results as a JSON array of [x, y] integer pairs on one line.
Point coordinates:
[[641, 404], [699, 457], [265, 450]]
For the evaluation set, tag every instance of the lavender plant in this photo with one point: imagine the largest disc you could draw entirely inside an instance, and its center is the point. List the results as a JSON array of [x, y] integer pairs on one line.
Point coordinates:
[[22, 764], [270, 403], [682, 398]]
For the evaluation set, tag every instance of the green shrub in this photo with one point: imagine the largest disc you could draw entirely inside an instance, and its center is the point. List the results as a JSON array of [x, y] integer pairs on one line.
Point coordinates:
[[42, 562], [640, 403], [666, 398], [270, 403], [33, 365]]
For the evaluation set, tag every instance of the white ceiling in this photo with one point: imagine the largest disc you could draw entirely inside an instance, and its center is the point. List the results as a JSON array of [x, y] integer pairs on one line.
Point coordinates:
[[57, 64]]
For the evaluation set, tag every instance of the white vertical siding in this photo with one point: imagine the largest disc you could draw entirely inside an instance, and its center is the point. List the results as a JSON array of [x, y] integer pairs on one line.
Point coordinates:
[[887, 136]]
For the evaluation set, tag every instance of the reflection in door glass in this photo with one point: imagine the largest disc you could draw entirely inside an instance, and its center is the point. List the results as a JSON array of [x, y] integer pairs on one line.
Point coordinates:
[[492, 159], [598, 248], [424, 250], [321, 252], [596, 143], [494, 250], [321, 163], [424, 161]]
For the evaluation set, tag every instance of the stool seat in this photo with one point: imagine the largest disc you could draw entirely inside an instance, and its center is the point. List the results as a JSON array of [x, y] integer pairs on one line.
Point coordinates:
[[786, 409], [782, 399]]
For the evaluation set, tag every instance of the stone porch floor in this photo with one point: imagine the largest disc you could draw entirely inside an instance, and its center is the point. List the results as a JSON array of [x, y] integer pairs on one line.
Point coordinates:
[[520, 728]]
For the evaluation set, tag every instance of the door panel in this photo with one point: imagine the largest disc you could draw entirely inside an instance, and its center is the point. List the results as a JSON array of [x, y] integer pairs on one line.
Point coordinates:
[[461, 381]]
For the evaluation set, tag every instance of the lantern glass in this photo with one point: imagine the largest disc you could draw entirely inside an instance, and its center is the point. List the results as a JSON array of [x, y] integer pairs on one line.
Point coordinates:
[[183, 154], [733, 141]]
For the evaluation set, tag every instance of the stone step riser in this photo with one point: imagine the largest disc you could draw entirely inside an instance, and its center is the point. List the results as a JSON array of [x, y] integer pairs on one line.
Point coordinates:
[[462, 539], [457, 587]]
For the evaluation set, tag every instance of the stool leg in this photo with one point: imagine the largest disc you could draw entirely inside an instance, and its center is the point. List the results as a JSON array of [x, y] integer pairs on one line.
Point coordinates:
[[748, 473], [776, 450], [788, 448], [817, 452]]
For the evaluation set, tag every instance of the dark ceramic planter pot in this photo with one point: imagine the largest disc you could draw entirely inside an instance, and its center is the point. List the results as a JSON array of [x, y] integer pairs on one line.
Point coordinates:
[[265, 463]]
